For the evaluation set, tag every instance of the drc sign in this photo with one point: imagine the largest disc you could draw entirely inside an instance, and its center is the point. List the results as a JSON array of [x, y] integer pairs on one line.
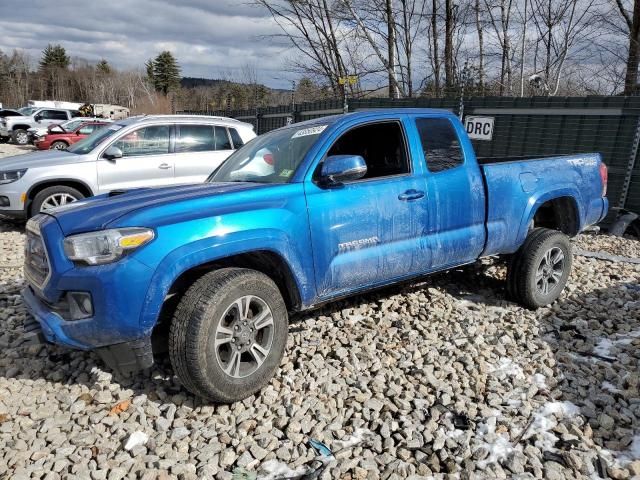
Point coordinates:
[[479, 128]]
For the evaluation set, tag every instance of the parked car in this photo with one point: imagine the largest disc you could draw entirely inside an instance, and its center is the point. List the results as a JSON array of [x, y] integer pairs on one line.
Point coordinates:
[[141, 151], [56, 140], [7, 112], [353, 202], [37, 133], [27, 110], [16, 127]]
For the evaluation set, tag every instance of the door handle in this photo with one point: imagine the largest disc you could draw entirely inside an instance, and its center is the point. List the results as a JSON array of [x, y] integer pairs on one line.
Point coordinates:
[[164, 166], [411, 195]]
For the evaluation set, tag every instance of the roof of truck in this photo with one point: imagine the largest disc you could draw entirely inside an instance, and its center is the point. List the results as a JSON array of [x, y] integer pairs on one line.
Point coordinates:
[[370, 112]]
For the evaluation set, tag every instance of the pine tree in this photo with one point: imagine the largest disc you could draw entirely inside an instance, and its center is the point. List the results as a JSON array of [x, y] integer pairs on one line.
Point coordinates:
[[54, 56], [164, 72], [103, 67], [149, 67]]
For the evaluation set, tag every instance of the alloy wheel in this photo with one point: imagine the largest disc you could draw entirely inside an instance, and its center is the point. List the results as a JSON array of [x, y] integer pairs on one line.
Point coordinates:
[[550, 271], [244, 336]]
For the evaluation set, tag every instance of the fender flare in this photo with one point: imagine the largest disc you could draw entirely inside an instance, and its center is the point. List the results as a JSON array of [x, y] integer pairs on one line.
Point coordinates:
[[535, 202], [207, 251]]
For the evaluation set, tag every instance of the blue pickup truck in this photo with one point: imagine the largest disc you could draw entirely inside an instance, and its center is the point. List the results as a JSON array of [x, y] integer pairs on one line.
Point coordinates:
[[296, 218]]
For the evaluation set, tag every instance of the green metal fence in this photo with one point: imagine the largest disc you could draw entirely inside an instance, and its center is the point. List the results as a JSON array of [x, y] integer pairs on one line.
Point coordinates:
[[522, 127]]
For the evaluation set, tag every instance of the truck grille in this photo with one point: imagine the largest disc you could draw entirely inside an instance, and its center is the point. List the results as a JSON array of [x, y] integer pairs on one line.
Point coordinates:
[[36, 262]]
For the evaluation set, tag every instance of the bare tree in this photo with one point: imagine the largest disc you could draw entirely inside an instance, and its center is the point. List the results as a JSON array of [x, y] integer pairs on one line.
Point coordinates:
[[500, 15], [632, 21]]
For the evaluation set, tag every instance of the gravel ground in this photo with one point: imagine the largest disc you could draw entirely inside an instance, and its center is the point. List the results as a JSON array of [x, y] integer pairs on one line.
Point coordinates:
[[438, 379]]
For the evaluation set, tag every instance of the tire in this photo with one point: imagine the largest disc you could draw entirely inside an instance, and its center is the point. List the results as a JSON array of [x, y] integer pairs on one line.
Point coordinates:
[[208, 312], [46, 198], [20, 136], [539, 270], [59, 145]]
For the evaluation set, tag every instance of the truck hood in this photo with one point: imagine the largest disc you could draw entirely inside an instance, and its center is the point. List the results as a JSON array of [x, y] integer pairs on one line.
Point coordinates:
[[48, 158], [100, 212]]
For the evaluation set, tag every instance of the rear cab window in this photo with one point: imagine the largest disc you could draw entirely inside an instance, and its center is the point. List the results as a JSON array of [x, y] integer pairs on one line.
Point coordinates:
[[440, 144]]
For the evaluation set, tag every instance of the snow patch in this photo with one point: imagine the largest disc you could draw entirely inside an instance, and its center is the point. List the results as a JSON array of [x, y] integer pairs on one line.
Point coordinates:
[[539, 381], [275, 470], [610, 387], [545, 419], [497, 445], [620, 459], [358, 436], [605, 345], [506, 368]]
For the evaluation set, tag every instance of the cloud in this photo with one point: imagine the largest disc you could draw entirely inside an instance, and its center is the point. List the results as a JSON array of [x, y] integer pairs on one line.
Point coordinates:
[[210, 38]]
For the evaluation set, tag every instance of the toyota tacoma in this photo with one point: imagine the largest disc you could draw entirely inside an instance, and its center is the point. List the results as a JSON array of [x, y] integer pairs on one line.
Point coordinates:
[[296, 218]]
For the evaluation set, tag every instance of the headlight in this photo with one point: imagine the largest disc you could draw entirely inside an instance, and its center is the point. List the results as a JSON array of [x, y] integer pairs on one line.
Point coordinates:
[[11, 176], [106, 246]]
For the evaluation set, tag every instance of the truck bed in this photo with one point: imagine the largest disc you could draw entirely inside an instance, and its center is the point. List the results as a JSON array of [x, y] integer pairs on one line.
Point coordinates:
[[517, 188]]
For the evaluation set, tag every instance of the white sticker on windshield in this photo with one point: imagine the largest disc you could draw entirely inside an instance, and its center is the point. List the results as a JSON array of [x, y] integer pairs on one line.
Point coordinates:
[[309, 131]]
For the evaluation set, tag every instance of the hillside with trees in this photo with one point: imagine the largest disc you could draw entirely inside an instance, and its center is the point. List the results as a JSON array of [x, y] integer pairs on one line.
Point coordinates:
[[156, 87]]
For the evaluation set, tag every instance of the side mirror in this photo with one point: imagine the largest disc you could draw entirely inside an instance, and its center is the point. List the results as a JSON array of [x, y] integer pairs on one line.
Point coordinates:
[[112, 153], [37, 118], [337, 169]]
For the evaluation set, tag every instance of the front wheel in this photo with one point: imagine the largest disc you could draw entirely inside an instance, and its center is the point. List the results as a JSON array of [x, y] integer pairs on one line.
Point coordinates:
[[52, 197], [59, 145], [539, 270], [20, 136], [228, 334]]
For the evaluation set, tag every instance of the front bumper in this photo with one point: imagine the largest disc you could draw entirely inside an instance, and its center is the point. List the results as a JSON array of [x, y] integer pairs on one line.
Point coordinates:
[[117, 290], [47, 326], [13, 192], [4, 132]]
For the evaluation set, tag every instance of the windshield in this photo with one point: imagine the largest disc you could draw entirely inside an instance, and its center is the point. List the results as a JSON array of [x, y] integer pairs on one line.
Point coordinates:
[[87, 144], [270, 158], [71, 124], [27, 110]]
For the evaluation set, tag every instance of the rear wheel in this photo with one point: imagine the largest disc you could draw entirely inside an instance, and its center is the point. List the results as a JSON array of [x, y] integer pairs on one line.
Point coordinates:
[[20, 136], [55, 196], [539, 270], [228, 334], [59, 145]]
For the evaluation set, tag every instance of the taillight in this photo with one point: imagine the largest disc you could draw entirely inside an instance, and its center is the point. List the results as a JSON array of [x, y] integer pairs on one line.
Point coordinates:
[[268, 158], [604, 176]]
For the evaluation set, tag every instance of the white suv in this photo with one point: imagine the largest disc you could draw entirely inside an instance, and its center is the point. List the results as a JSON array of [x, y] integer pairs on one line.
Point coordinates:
[[144, 151]]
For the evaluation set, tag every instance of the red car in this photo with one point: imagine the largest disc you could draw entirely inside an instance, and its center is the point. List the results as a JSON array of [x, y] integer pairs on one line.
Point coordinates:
[[57, 140]]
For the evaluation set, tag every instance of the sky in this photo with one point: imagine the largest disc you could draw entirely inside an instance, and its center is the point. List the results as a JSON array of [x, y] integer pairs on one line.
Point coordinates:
[[210, 38]]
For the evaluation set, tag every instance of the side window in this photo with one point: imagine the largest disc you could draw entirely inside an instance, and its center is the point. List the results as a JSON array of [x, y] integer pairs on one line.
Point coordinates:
[[53, 115], [237, 141], [382, 146], [222, 139], [152, 140], [195, 138], [440, 144]]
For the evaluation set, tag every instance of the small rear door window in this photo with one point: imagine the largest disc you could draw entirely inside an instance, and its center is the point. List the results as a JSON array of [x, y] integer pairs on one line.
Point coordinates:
[[237, 141], [440, 144], [222, 139]]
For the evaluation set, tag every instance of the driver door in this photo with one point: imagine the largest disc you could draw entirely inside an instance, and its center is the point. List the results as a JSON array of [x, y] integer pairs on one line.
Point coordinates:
[[145, 162]]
